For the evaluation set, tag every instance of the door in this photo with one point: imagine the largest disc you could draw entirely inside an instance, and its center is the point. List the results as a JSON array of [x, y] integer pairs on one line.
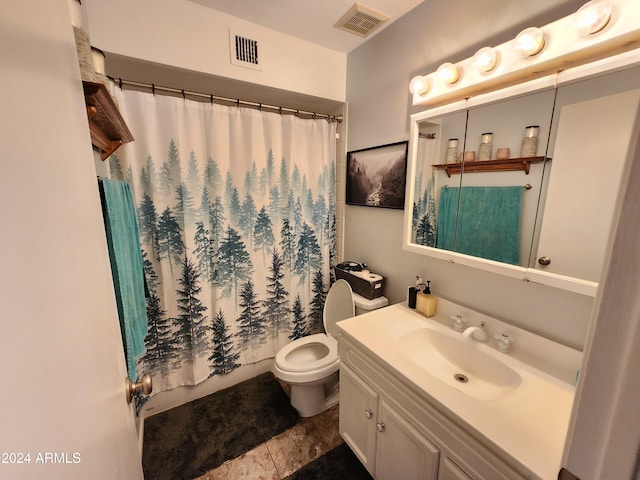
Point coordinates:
[[63, 410], [403, 452], [358, 412]]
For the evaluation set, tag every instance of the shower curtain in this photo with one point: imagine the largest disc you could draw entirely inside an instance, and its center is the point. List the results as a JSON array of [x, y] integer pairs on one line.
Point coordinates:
[[236, 212]]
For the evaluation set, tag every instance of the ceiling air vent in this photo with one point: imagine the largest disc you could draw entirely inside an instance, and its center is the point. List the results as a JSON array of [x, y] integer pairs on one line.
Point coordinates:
[[244, 51], [361, 20]]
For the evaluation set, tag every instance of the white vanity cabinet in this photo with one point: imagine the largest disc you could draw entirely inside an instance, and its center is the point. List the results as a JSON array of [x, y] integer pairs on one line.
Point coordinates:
[[358, 416], [387, 443], [450, 471], [396, 433], [403, 451]]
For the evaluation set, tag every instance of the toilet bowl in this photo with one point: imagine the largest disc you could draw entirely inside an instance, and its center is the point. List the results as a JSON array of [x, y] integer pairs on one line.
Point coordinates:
[[310, 364]]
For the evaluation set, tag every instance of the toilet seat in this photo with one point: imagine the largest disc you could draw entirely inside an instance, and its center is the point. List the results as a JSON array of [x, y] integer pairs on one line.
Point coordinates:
[[310, 364], [301, 355], [315, 355]]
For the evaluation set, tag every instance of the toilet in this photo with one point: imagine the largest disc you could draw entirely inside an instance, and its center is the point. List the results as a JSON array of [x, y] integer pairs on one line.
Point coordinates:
[[310, 364], [364, 305]]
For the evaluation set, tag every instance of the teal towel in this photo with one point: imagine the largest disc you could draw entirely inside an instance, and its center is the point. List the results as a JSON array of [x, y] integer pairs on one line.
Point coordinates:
[[447, 218], [488, 222], [126, 268]]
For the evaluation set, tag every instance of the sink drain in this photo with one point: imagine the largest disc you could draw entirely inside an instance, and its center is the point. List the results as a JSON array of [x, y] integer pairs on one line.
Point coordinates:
[[461, 378]]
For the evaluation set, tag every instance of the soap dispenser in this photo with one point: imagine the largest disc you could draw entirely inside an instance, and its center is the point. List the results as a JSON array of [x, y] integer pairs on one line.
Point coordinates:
[[426, 302]]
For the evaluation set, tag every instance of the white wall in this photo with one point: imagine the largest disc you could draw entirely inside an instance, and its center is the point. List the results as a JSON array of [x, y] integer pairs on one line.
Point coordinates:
[[378, 75], [61, 357], [189, 36], [604, 433]]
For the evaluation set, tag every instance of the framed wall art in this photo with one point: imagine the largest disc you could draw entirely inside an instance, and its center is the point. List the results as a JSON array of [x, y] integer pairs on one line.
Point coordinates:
[[376, 176]]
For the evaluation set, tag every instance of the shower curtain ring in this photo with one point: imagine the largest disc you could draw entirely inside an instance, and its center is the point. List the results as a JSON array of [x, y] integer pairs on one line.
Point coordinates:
[[153, 89], [184, 97]]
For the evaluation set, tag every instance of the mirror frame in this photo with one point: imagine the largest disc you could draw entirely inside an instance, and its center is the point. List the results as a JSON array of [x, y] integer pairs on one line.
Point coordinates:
[[528, 274]]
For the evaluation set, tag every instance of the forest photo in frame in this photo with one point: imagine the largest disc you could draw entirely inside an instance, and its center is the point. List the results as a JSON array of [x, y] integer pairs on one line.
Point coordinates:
[[376, 176]]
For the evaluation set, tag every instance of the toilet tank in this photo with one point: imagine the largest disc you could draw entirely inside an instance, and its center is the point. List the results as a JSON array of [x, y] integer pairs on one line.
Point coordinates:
[[364, 305]]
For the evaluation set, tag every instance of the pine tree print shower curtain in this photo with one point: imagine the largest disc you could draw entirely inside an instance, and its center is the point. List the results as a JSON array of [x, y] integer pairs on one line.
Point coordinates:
[[236, 212]]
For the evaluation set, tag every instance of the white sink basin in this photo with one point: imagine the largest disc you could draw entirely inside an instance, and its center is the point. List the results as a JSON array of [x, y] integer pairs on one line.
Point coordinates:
[[521, 401], [460, 363]]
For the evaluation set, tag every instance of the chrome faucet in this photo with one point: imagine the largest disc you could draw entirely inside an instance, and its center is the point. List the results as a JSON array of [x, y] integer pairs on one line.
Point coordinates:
[[479, 334]]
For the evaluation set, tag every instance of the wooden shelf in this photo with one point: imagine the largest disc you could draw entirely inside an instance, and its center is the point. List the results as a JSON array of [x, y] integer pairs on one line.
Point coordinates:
[[108, 128], [508, 165]]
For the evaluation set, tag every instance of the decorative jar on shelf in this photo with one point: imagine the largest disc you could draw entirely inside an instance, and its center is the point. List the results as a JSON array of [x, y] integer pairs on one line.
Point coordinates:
[[452, 151], [486, 147], [530, 141]]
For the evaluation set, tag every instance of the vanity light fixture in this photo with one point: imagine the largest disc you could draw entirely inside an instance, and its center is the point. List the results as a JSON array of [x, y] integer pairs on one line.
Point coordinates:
[[598, 30], [420, 85], [448, 73], [529, 42], [485, 60], [592, 17]]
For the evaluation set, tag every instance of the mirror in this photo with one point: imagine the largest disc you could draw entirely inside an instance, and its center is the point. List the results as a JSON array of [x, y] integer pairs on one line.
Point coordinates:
[[497, 208], [596, 125], [544, 218], [429, 182]]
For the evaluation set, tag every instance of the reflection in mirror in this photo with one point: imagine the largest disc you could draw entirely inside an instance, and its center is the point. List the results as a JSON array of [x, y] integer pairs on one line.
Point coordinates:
[[596, 124], [497, 209], [433, 141], [481, 207]]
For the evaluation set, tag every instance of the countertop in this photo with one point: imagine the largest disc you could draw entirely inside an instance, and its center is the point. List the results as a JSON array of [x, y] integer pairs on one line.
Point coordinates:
[[529, 424]]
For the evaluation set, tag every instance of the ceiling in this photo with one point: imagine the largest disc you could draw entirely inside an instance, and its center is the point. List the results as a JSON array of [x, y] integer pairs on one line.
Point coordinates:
[[310, 20]]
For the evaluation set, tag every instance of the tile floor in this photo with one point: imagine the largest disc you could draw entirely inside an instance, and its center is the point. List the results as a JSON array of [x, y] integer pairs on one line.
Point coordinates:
[[283, 454]]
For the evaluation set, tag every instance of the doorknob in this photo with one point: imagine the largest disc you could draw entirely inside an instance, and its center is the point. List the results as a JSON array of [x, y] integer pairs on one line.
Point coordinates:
[[145, 385], [544, 261]]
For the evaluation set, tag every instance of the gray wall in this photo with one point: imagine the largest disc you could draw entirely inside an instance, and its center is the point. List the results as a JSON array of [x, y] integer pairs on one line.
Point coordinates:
[[379, 106]]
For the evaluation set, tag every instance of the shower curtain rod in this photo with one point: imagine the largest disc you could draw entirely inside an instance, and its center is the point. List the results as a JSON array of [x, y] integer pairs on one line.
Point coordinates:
[[156, 88]]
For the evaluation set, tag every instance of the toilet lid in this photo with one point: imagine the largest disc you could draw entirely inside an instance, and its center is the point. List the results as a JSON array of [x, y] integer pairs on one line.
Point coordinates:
[[293, 358], [338, 306]]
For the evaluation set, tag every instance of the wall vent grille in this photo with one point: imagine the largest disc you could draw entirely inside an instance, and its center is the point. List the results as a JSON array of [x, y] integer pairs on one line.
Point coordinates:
[[244, 51], [361, 20]]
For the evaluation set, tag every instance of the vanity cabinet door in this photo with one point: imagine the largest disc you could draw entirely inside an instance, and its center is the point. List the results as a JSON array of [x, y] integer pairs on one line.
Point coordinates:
[[403, 452], [358, 416], [450, 471]]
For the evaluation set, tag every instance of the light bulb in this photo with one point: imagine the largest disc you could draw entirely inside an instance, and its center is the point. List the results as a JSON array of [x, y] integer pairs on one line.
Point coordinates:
[[419, 85], [529, 41], [485, 59], [592, 17], [448, 73]]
